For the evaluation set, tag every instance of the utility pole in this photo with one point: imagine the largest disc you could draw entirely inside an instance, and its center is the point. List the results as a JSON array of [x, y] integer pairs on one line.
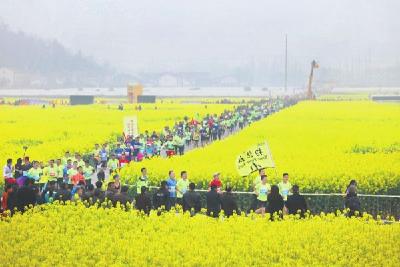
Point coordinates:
[[285, 63]]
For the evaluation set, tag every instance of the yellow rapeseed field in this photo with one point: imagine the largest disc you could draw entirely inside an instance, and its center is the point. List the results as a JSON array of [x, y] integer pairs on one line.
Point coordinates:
[[50, 132], [322, 145], [73, 235]]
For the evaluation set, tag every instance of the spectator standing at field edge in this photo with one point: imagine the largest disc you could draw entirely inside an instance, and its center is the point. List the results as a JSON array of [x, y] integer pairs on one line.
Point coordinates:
[[192, 200], [275, 202], [296, 203], [229, 204], [213, 202], [352, 202]]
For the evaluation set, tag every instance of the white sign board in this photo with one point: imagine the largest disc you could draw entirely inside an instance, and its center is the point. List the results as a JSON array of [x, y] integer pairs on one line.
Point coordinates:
[[255, 158], [131, 126]]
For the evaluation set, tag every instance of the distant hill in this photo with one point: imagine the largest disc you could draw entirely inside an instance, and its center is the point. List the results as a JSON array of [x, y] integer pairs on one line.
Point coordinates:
[[41, 63]]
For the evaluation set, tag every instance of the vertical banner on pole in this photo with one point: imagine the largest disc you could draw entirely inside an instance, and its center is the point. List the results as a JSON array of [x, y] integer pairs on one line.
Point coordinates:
[[131, 126]]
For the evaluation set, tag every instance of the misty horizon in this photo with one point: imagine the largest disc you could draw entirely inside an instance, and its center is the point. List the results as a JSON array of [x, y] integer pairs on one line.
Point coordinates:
[[219, 37]]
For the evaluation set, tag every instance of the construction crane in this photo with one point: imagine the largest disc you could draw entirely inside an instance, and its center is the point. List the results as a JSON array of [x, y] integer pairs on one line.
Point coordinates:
[[310, 94]]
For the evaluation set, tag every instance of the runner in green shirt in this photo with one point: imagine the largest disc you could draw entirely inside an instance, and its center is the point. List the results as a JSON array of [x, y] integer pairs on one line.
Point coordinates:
[[72, 171], [50, 172], [262, 190], [88, 172], [196, 137], [60, 172], [143, 181], [285, 186], [179, 144], [66, 158], [169, 147], [157, 146], [176, 140], [79, 159], [256, 181], [188, 137], [113, 163], [35, 172], [96, 154], [181, 187]]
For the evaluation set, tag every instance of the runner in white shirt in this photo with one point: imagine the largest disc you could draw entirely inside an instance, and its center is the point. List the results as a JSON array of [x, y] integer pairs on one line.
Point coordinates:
[[8, 170]]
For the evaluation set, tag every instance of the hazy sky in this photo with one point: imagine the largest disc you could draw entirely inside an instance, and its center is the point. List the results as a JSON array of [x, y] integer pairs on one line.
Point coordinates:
[[179, 34]]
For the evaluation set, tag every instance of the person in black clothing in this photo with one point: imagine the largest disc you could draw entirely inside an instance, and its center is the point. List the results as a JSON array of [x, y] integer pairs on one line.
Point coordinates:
[[98, 197], [191, 200], [89, 194], [101, 176], [220, 132], [18, 169], [49, 192], [63, 194], [228, 202], [143, 202], [352, 183], [27, 165], [275, 202], [213, 202], [122, 197], [352, 202], [39, 198], [296, 203], [110, 192], [161, 197], [26, 195], [98, 192], [12, 201], [117, 183]]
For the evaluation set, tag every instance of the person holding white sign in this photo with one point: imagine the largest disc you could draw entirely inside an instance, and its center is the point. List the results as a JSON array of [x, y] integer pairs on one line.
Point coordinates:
[[256, 182], [262, 190]]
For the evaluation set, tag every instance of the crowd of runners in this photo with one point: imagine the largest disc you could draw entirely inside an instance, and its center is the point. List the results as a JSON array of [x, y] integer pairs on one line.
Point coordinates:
[[94, 177]]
